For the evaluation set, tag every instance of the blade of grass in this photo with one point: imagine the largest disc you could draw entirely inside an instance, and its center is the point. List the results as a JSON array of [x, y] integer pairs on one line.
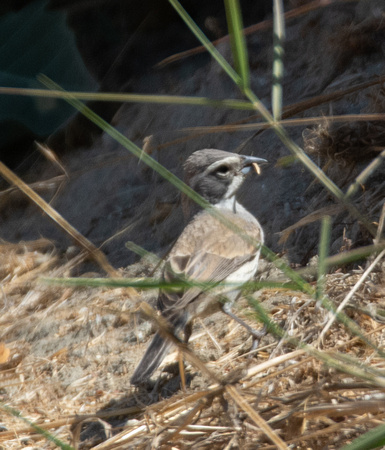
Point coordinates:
[[279, 37], [238, 42], [365, 174], [93, 251], [261, 314], [38, 429], [206, 42], [322, 256], [252, 413], [132, 98], [311, 166], [143, 253], [155, 283], [372, 439], [129, 145], [347, 257], [230, 128]]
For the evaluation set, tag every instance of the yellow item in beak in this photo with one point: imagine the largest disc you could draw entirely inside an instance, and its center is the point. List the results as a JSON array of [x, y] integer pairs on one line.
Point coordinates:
[[257, 168]]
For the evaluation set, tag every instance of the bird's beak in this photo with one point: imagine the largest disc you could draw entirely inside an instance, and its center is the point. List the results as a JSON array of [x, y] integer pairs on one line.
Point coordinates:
[[252, 162]]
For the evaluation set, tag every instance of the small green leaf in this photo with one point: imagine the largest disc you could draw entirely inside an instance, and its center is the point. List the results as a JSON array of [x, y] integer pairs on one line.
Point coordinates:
[[372, 439]]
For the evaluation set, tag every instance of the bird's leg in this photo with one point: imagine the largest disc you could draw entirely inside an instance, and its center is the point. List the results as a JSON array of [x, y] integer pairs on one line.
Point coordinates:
[[187, 331], [256, 334], [187, 334]]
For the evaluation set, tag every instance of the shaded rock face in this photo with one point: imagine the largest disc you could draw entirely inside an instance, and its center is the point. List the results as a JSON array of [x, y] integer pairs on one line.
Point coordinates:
[[123, 41], [112, 198], [86, 46]]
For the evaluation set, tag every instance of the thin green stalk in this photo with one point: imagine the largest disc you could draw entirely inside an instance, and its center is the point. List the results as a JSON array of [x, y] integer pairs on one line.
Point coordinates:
[[206, 42], [38, 429], [132, 98], [365, 174], [143, 253], [238, 42], [278, 68], [154, 283], [322, 256]]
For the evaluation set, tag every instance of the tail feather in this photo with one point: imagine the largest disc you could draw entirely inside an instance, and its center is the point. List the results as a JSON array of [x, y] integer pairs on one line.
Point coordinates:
[[151, 360], [157, 351]]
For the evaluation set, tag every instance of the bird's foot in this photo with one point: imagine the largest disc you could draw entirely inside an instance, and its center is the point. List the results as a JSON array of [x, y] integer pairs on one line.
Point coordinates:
[[257, 336]]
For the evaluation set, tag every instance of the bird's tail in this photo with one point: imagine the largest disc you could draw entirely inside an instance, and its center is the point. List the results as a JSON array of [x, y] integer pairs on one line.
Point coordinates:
[[155, 353]]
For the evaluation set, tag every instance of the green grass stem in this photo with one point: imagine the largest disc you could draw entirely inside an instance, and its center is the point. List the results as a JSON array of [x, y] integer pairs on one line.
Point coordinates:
[[278, 67], [238, 42]]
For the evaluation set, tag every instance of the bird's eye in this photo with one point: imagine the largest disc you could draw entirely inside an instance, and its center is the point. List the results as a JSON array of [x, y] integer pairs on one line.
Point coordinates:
[[222, 170]]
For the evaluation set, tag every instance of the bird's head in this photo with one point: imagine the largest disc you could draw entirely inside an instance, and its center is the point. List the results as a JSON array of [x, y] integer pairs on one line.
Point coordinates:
[[217, 175]]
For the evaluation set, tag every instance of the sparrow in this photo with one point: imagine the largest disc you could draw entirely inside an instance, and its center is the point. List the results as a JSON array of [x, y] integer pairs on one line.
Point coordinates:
[[207, 251]]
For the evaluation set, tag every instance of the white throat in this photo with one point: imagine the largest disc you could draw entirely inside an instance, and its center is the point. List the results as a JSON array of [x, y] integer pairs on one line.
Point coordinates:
[[230, 204]]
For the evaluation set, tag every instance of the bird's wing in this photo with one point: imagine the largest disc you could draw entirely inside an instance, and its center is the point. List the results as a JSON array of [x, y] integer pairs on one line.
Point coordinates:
[[207, 251]]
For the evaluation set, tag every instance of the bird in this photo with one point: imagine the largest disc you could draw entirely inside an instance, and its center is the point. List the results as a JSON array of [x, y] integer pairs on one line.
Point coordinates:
[[207, 251]]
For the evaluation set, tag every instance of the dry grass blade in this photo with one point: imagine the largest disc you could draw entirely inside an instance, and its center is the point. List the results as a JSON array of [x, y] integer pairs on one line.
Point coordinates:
[[167, 414], [310, 218], [93, 251], [51, 156], [342, 409], [255, 126], [242, 403], [346, 257], [31, 275], [381, 224], [50, 185], [252, 371], [188, 419], [350, 295], [299, 107]]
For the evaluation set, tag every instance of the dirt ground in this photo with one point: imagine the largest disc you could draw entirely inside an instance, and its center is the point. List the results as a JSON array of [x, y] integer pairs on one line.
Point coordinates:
[[66, 354], [72, 351]]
